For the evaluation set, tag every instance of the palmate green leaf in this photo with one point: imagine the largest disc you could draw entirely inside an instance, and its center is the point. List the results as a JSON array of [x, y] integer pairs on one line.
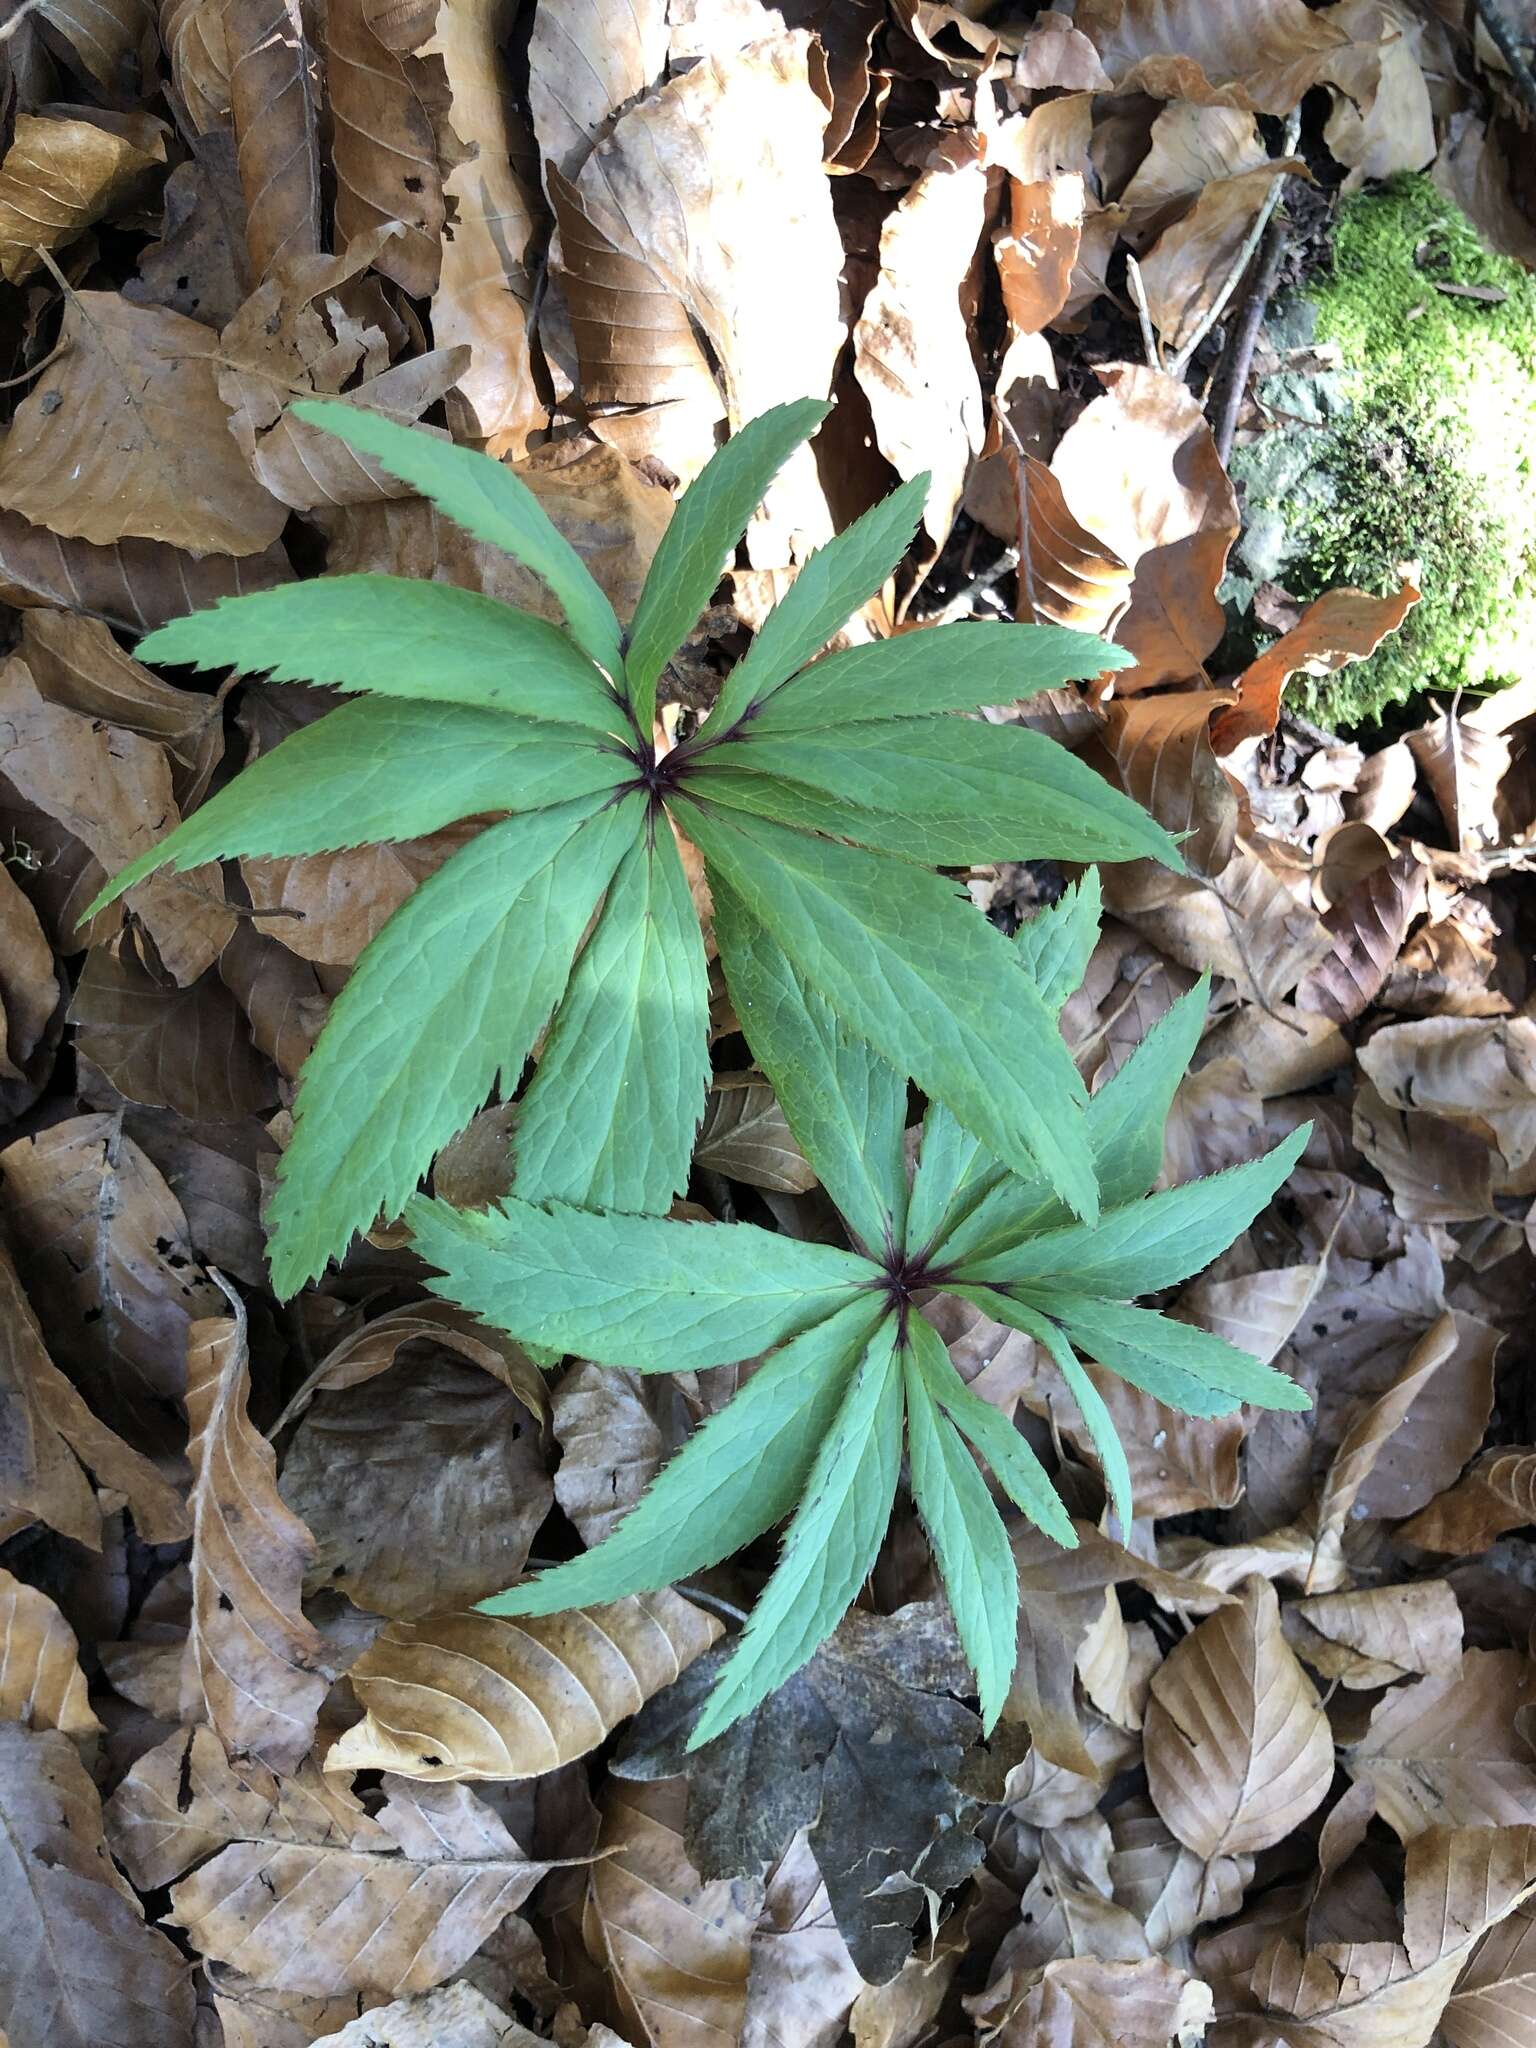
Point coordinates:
[[926, 842], [1002, 791], [845, 1105], [636, 1291], [380, 769], [831, 1544], [1102, 1434], [1146, 1245], [742, 1470], [825, 594], [610, 1118], [934, 668], [1057, 942], [964, 1530], [1143, 1347], [918, 973], [447, 998], [993, 1209], [700, 539], [487, 500], [397, 638]]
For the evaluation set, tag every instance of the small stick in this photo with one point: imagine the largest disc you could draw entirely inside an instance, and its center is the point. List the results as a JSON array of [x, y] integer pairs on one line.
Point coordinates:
[[1185, 356], [1149, 340], [1238, 359], [1509, 48]]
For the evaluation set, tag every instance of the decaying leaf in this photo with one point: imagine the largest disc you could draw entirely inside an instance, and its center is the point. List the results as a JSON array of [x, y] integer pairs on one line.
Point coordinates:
[[41, 1683], [1344, 626], [1446, 1751]]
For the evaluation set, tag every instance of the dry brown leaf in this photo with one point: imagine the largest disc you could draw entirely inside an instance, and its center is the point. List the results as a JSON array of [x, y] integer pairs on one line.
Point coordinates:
[[1261, 55], [1379, 1634], [1191, 147], [481, 1696], [1497, 1494], [326, 907], [102, 1245], [353, 1475], [1477, 1075], [275, 95], [253, 1665], [113, 39], [165, 468], [186, 1049], [453, 2016], [1343, 626], [1238, 1750], [29, 991], [80, 1968], [746, 1135], [41, 1683], [279, 993], [1494, 2001], [912, 349], [64, 170], [1445, 1751], [1139, 469], [378, 1345], [676, 1951], [1036, 258], [1170, 1889], [1083, 2002], [1161, 748], [611, 1445], [1396, 132], [486, 281], [196, 41], [584, 64], [50, 1435], [1187, 268], [384, 147], [134, 584], [802, 1979], [1069, 577], [1463, 763], [1369, 922]]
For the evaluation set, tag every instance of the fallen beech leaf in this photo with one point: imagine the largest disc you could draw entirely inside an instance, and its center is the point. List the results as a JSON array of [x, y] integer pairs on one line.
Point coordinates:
[[676, 1951], [481, 1696], [1035, 259], [1068, 576], [1344, 626], [353, 1476], [1190, 148], [486, 279], [1478, 1075], [1445, 970], [134, 584], [1187, 268], [1170, 1889], [1238, 1750], [1084, 2002], [64, 170], [1463, 763], [102, 1245], [1497, 1494], [1161, 747], [378, 1345], [384, 147], [279, 993], [326, 907], [165, 468], [802, 1979], [584, 64], [274, 91], [197, 44], [611, 1446], [29, 990], [113, 39], [1139, 469], [746, 1135], [453, 2016], [1370, 923], [186, 1049], [1445, 1751], [253, 1665], [1262, 55], [80, 1969], [1380, 1634], [1492, 2000], [1396, 131], [41, 1683]]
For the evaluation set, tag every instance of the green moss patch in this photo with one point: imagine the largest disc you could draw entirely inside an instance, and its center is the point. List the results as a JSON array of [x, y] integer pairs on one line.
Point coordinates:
[[1416, 453]]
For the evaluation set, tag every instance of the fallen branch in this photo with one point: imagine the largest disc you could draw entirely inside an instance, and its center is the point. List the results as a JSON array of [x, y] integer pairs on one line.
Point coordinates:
[[1237, 358], [1179, 363]]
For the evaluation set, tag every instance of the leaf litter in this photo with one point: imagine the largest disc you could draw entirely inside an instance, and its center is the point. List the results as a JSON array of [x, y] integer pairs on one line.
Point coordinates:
[[1265, 1770]]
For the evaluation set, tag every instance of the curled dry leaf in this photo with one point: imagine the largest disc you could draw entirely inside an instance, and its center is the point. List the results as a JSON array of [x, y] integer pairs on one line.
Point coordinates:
[[1191, 148], [253, 1665], [165, 468], [1036, 258], [1496, 1495], [1238, 1750], [1396, 130], [378, 1345], [274, 92], [1370, 922], [64, 171], [29, 986], [41, 1683], [912, 349], [480, 1696], [1379, 1634], [677, 1951], [1161, 748], [1261, 55], [1068, 577], [384, 147], [1446, 1751], [197, 45], [1334, 630], [79, 1968]]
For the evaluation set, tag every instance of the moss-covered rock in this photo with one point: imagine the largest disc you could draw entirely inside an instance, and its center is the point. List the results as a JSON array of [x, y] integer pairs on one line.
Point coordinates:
[[1417, 452]]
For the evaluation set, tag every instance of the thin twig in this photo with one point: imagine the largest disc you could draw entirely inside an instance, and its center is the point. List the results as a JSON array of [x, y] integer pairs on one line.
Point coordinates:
[[1149, 340], [25, 376], [1237, 359], [1508, 43], [1186, 355], [963, 602]]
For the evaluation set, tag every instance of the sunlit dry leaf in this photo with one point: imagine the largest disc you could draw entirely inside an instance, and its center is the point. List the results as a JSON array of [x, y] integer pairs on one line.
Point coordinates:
[[1380, 1634], [41, 1683], [79, 1968], [1161, 746], [1139, 469], [1396, 132], [384, 147], [164, 469], [745, 1134], [1035, 259], [1188, 266], [1370, 923], [1192, 147], [102, 1244], [453, 2016], [584, 64], [481, 1696], [1463, 763], [1334, 630], [353, 1475], [1445, 1751], [676, 1951], [1069, 577], [1238, 1750], [65, 170], [611, 1445], [1231, 53], [253, 1664]]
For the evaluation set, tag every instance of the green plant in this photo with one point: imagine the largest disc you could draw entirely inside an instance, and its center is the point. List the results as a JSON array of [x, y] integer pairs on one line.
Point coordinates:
[[817, 1433], [812, 792]]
